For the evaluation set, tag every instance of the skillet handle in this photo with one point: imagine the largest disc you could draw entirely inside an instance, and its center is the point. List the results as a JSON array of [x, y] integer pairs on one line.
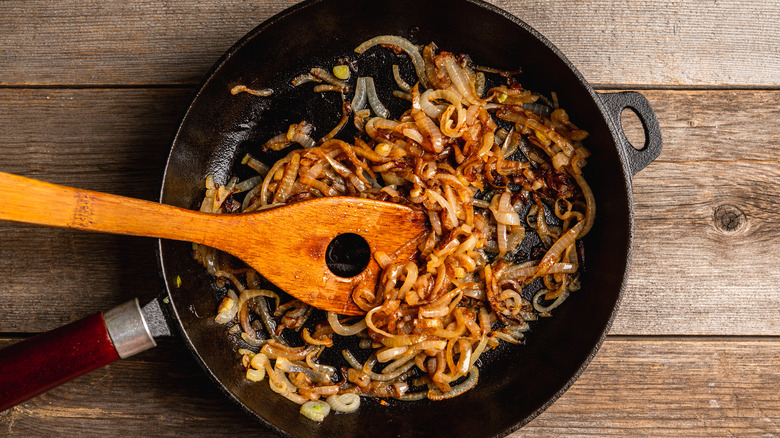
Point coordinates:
[[615, 103], [35, 365]]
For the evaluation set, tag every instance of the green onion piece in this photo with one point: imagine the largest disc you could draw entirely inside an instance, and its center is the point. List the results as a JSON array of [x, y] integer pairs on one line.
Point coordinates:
[[315, 410], [178, 281], [341, 72], [256, 375]]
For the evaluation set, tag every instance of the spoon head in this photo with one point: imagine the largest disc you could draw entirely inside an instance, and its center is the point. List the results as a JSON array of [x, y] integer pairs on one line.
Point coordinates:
[[290, 246]]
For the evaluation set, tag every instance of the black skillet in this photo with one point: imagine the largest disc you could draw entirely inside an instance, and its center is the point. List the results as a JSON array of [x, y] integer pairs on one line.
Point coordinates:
[[515, 383]]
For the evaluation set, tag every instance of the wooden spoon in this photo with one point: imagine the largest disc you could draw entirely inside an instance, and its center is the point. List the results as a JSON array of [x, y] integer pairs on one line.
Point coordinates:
[[286, 245]]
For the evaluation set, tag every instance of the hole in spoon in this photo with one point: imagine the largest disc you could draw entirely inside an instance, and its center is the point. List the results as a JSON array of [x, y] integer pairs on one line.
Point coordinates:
[[347, 255]]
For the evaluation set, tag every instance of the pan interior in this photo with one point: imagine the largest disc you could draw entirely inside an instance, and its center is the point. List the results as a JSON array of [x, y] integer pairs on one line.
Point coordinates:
[[515, 383]]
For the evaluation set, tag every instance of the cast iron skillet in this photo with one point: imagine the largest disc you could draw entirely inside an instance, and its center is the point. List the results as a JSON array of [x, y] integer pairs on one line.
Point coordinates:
[[515, 384]]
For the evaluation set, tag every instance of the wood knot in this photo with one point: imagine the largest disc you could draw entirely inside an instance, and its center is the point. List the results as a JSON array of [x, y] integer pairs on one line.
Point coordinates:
[[729, 218]]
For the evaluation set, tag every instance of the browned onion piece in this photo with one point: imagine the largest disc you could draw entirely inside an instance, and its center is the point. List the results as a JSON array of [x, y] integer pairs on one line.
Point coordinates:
[[244, 89], [321, 73], [470, 382], [342, 330], [555, 251], [346, 110]]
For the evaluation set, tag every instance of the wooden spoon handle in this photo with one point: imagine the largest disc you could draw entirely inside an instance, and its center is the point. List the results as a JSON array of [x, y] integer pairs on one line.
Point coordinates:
[[287, 245], [37, 202]]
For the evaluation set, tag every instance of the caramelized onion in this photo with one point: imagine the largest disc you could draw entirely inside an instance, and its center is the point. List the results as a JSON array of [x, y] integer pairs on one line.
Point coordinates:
[[227, 309], [431, 315]]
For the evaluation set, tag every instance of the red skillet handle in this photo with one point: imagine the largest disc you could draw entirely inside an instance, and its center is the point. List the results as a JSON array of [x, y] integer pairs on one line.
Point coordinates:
[[33, 366]]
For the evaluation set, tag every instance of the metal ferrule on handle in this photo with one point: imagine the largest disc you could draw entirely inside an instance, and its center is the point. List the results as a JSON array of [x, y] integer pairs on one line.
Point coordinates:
[[128, 329]]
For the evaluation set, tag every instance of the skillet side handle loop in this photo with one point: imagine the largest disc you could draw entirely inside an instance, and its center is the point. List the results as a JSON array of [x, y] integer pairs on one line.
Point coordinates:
[[38, 364], [615, 103]]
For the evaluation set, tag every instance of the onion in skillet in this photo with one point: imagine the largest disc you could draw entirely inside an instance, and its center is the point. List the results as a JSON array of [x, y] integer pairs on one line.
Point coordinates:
[[501, 178]]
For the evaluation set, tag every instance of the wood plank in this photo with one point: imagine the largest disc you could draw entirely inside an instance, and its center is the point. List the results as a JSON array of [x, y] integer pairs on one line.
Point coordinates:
[[647, 386], [612, 43], [115, 141], [105, 140], [121, 42], [691, 273], [688, 276], [666, 43], [671, 387]]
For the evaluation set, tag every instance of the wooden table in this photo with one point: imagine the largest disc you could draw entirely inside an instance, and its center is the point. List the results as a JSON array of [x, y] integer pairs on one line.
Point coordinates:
[[90, 95]]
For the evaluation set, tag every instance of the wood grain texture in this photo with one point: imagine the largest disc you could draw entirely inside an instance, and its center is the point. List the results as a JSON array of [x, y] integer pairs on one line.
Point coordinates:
[[671, 387], [659, 43], [717, 125], [53, 276], [662, 43], [115, 141], [112, 140], [689, 276], [90, 95], [648, 387], [720, 151], [293, 260], [121, 42]]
